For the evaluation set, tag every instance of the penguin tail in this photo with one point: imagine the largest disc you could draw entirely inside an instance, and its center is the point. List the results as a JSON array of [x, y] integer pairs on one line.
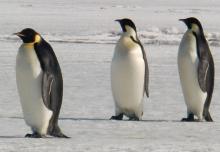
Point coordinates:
[[207, 115], [56, 132]]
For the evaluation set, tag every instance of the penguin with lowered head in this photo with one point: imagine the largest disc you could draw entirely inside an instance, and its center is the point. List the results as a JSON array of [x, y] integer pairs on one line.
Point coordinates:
[[129, 73]]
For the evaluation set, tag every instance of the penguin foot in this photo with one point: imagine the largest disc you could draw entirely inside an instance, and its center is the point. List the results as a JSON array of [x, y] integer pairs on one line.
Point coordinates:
[[34, 135], [188, 120], [191, 120], [134, 118], [119, 117]]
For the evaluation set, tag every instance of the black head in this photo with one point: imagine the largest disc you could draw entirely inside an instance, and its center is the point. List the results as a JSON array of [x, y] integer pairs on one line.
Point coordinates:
[[28, 35], [126, 22], [190, 21]]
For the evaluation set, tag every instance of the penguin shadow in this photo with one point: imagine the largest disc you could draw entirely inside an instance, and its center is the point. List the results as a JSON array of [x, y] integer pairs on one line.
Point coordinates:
[[160, 120], [84, 119], [124, 120], [106, 119], [12, 137], [16, 117]]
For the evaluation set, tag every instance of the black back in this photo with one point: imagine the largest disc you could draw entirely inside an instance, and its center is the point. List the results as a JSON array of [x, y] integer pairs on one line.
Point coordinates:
[[206, 70], [52, 82]]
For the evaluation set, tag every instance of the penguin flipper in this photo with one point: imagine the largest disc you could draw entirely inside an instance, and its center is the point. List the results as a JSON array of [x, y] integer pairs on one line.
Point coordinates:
[[146, 75], [47, 83], [48, 93], [203, 68]]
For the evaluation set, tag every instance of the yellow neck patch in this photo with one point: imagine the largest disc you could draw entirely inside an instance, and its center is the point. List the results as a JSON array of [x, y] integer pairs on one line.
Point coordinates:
[[37, 38], [195, 28]]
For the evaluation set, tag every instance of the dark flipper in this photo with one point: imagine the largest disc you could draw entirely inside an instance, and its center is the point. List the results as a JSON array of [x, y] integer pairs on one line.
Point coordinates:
[[202, 74], [119, 117], [48, 91], [146, 76], [189, 118], [47, 82], [55, 104]]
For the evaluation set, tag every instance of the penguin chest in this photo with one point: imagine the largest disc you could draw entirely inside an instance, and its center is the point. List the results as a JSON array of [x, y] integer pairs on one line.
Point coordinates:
[[29, 81], [127, 78], [188, 65]]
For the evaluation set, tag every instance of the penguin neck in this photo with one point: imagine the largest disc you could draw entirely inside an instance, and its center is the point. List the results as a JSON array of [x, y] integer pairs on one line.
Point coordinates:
[[130, 32], [197, 30]]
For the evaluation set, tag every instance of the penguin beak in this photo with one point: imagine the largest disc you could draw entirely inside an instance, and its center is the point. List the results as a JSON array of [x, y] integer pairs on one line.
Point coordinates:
[[118, 20], [18, 34], [183, 20]]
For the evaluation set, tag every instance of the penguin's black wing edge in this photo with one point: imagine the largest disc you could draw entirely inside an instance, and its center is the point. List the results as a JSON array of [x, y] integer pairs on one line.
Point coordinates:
[[202, 74], [146, 76]]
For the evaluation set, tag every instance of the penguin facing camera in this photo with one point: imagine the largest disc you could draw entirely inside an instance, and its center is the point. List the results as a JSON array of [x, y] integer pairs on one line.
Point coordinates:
[[129, 73]]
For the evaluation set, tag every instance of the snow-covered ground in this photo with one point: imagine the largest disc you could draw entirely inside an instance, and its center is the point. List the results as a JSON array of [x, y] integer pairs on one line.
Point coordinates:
[[83, 34]]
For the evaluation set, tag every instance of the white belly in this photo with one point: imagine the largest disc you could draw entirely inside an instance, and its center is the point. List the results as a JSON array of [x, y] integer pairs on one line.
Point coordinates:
[[188, 65], [29, 79], [127, 80]]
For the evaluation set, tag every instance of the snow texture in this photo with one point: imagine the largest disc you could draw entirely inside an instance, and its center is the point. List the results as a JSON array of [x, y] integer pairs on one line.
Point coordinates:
[[83, 35]]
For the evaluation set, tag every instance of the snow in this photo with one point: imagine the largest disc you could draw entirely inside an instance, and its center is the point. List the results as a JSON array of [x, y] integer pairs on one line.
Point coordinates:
[[83, 35]]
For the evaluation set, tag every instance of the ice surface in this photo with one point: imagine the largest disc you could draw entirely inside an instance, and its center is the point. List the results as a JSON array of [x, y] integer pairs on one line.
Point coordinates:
[[83, 34]]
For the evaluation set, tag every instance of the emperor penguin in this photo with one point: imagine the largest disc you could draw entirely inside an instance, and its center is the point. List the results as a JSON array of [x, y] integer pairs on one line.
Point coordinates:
[[129, 73], [196, 71], [40, 85]]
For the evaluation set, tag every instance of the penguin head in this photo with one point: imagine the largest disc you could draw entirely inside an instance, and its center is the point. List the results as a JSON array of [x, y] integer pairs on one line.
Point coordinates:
[[193, 24], [29, 35], [127, 25]]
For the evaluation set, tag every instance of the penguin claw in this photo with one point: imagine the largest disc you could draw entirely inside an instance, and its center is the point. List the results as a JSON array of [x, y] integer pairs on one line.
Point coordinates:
[[134, 119]]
